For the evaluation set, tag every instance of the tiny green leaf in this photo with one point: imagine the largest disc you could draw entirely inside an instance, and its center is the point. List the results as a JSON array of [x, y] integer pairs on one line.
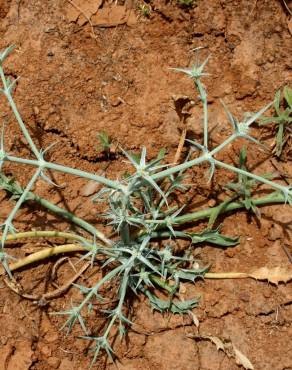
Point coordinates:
[[288, 95]]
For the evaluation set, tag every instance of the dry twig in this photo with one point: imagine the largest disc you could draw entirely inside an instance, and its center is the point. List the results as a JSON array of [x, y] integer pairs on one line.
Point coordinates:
[[43, 298]]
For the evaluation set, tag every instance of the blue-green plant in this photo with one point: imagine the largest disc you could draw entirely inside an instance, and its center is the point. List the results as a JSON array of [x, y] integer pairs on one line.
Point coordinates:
[[140, 210]]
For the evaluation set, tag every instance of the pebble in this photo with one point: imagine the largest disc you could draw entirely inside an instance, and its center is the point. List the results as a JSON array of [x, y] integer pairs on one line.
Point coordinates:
[[231, 252], [90, 188], [53, 362], [244, 296], [267, 292], [66, 365], [51, 337], [45, 350], [247, 88], [275, 232], [212, 203]]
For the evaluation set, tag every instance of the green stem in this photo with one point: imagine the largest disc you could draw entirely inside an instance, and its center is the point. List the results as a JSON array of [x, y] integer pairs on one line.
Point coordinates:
[[260, 179], [225, 143], [203, 95], [18, 204], [64, 169], [194, 162], [97, 286], [109, 327], [71, 217], [24, 194], [206, 213], [17, 115], [16, 189]]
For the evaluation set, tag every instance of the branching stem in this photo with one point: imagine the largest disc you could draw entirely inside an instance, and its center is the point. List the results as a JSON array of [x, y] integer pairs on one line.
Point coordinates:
[[17, 115], [203, 96], [65, 169]]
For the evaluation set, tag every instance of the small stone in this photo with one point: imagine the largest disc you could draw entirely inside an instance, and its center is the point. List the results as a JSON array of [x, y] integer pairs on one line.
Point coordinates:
[[212, 203], [231, 46], [50, 53], [281, 215], [260, 61], [244, 296], [90, 188], [116, 101], [66, 365], [53, 362], [36, 111], [90, 89], [52, 110], [246, 88], [231, 252], [45, 350], [267, 292], [275, 232], [93, 212], [278, 28], [51, 337], [3, 340]]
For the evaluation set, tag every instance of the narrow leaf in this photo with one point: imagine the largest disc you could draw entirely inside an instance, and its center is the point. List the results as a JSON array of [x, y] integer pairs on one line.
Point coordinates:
[[288, 95], [242, 360]]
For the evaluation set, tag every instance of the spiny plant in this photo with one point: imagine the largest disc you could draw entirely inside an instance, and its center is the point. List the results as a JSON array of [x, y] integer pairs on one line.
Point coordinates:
[[282, 119], [140, 209]]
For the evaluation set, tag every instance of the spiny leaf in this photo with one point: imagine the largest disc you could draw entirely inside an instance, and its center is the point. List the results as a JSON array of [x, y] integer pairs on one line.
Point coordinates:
[[179, 307], [228, 348], [214, 237], [242, 360], [216, 212], [191, 275], [274, 275]]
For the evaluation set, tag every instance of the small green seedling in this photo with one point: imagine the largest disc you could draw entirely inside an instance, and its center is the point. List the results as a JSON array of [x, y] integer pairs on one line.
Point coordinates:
[[144, 10], [105, 141], [282, 119]]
